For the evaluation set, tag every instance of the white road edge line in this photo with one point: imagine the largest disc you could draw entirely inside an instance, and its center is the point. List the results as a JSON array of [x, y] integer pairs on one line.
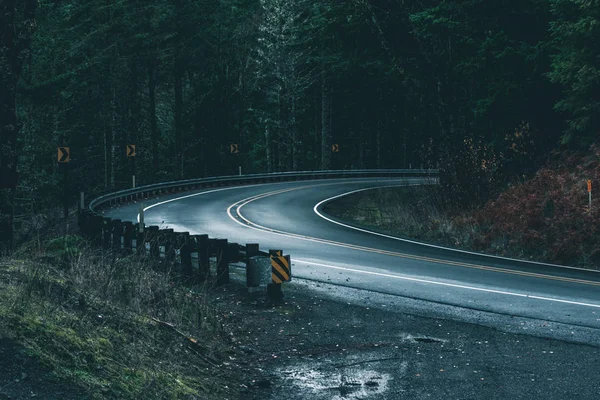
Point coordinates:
[[248, 200], [316, 210], [406, 278], [192, 195], [209, 191], [360, 271]]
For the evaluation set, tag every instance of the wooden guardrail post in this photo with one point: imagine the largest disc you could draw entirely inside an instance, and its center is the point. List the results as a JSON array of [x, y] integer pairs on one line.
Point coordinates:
[[167, 243], [203, 257], [252, 274], [82, 222], [96, 222], [252, 250], [221, 250], [184, 244], [139, 233], [107, 229], [152, 238], [117, 234], [128, 236], [234, 252]]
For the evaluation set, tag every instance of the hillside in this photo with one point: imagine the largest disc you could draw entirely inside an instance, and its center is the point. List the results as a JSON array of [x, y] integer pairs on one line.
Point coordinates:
[[545, 218]]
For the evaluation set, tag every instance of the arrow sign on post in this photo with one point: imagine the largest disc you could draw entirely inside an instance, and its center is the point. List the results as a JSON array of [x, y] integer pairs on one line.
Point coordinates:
[[64, 154], [131, 150], [234, 148], [335, 148]]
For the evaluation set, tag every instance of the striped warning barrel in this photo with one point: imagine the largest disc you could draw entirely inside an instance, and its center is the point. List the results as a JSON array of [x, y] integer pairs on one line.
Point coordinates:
[[280, 268]]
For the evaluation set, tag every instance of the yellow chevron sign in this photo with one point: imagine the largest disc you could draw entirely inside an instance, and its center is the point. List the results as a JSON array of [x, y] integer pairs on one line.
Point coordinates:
[[64, 154], [280, 269]]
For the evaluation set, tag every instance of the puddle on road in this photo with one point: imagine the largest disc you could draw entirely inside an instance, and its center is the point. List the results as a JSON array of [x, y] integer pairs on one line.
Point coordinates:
[[348, 383]]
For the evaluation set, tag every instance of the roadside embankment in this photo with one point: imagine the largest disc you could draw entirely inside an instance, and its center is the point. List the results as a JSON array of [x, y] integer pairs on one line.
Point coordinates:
[[79, 324], [546, 218], [76, 324]]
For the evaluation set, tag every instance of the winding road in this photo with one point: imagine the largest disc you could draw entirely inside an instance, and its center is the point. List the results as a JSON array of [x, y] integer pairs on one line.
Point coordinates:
[[289, 216]]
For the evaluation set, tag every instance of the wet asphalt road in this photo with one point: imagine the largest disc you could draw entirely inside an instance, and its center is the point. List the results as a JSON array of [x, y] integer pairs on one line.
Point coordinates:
[[283, 216]]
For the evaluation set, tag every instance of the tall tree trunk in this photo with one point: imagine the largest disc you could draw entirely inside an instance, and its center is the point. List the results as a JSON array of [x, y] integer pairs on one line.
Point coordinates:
[[113, 134], [200, 139], [268, 144], [153, 127], [15, 37], [325, 123], [133, 104], [133, 114], [281, 130], [378, 132], [317, 128], [294, 135], [178, 111], [105, 156], [361, 148]]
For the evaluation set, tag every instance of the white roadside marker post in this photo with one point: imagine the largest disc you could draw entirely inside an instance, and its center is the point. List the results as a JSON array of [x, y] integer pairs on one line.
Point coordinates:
[[589, 185]]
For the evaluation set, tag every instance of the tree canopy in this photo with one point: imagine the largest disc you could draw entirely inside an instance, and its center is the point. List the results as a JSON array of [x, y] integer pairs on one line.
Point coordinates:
[[481, 89]]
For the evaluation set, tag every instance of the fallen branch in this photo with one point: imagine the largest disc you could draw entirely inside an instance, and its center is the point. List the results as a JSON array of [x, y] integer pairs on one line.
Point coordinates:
[[193, 344]]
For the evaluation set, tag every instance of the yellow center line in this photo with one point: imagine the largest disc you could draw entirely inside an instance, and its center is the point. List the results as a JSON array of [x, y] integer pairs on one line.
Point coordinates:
[[240, 204]]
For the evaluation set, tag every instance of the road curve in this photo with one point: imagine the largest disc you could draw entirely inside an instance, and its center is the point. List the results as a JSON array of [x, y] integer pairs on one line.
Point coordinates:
[[288, 216]]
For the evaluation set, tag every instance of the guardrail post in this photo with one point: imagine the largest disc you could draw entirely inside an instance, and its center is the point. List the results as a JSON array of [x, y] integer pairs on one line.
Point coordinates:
[[96, 230], [222, 261], [168, 242], [203, 257], [234, 252], [152, 238], [139, 235], [83, 223], [117, 234], [106, 233], [184, 245], [128, 235], [252, 250]]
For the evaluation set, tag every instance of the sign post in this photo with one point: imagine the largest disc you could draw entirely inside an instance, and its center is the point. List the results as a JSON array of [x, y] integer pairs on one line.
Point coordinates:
[[234, 148], [131, 153], [64, 157]]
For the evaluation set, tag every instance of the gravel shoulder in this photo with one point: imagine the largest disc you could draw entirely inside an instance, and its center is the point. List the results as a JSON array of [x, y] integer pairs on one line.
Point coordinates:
[[331, 342]]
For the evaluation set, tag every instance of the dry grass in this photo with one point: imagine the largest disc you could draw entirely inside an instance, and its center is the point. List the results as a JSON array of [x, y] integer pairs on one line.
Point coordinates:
[[113, 326], [413, 212]]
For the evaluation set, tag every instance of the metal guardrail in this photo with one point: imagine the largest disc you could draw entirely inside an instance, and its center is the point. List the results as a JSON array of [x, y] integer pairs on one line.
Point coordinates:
[[192, 184], [189, 255]]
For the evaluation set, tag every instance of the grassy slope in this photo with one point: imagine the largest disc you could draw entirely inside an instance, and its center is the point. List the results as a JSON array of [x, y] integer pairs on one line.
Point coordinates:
[[80, 325], [545, 219]]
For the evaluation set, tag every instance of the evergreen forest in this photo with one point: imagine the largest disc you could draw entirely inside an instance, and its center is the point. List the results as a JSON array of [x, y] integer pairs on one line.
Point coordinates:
[[484, 90]]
